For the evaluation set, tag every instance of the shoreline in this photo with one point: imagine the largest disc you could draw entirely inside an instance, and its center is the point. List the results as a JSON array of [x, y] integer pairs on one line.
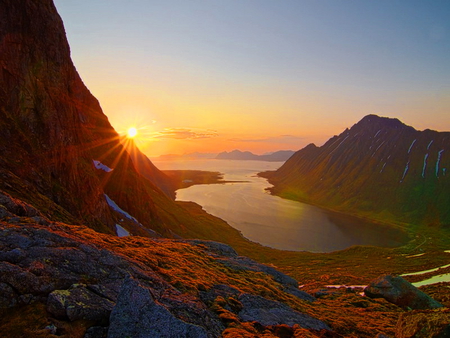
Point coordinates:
[[406, 227], [182, 179]]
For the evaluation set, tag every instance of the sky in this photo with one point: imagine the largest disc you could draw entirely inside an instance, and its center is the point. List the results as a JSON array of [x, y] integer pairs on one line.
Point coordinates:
[[260, 75]]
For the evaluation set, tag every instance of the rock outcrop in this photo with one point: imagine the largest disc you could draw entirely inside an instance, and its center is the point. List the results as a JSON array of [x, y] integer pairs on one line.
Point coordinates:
[[399, 291], [139, 287]]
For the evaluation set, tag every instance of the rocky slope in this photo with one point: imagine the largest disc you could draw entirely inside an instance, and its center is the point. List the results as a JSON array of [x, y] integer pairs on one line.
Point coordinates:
[[135, 286], [55, 140], [147, 169], [62, 163], [380, 168]]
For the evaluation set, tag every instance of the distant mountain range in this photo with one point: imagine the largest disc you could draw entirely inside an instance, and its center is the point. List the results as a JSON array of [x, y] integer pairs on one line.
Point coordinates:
[[380, 167], [278, 156]]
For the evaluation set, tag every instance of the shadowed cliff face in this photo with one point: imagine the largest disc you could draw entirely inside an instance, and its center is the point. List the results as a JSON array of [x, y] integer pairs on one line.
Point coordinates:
[[380, 167], [52, 128]]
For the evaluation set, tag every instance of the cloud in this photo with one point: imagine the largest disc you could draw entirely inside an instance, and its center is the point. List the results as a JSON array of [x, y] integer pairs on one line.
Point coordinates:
[[185, 133], [275, 139]]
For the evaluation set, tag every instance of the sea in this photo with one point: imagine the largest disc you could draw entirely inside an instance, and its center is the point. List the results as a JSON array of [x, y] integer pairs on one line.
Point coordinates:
[[273, 221]]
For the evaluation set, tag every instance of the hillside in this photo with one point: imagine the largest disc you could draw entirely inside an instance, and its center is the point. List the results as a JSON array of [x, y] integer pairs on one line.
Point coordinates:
[[91, 246], [379, 168]]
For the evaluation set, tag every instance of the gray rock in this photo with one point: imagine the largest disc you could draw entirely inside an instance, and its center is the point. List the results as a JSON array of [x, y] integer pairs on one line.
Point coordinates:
[[400, 292], [4, 212], [79, 303], [137, 315], [96, 332], [8, 298], [269, 312], [214, 247]]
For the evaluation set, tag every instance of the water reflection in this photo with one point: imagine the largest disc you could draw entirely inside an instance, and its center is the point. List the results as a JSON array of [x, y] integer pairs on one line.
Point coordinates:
[[276, 222]]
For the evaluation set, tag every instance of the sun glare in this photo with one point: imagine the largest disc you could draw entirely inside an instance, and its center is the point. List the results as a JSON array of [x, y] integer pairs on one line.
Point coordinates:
[[132, 132]]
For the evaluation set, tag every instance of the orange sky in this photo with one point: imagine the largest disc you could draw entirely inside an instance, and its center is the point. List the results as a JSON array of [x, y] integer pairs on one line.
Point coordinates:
[[212, 76]]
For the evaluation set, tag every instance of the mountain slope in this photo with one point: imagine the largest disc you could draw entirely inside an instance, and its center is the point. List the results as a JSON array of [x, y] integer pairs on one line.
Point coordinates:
[[379, 168], [54, 137], [146, 168]]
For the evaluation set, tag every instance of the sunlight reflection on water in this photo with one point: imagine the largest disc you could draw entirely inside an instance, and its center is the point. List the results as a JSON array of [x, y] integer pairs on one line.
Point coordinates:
[[273, 221]]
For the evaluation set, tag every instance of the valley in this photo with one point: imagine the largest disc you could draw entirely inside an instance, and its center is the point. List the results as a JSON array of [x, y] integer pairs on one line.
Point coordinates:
[[93, 243]]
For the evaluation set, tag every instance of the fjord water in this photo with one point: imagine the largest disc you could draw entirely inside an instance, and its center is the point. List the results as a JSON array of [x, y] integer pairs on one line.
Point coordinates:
[[271, 220]]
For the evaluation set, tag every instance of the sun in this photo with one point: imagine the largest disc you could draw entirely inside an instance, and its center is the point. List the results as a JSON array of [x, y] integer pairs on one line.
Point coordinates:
[[132, 132]]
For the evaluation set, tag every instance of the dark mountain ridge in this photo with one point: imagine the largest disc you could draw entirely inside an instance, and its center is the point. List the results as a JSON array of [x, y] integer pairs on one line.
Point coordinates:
[[378, 168]]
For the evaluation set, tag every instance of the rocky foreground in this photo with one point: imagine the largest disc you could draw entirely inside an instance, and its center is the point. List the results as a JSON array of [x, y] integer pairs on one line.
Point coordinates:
[[70, 281]]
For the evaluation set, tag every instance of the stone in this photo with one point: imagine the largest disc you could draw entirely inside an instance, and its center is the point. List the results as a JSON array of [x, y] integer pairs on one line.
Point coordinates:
[[79, 303], [8, 297], [269, 312], [400, 292], [96, 332], [137, 315]]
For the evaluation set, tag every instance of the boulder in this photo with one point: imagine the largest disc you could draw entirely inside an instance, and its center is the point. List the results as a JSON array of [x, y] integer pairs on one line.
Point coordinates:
[[400, 292], [79, 303], [137, 315], [269, 312]]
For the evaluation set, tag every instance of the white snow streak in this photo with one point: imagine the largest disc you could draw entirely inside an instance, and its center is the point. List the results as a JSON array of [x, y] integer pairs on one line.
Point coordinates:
[[437, 162], [405, 171], [100, 165], [383, 167], [378, 148], [339, 144], [410, 147], [424, 165], [425, 271], [418, 255], [433, 280], [113, 205], [429, 144], [121, 232], [377, 133]]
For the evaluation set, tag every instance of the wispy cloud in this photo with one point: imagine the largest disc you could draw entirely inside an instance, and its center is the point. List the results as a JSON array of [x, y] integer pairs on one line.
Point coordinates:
[[185, 133], [275, 139]]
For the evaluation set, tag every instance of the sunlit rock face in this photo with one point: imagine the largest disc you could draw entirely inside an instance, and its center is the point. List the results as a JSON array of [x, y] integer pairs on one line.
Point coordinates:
[[380, 167], [52, 128]]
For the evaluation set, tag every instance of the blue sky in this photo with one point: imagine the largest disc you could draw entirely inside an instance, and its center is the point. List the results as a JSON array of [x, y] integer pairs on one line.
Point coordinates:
[[288, 72]]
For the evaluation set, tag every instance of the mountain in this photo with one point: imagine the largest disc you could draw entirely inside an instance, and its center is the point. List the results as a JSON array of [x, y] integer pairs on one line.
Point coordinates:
[[380, 168], [189, 156], [146, 168], [77, 213], [278, 156]]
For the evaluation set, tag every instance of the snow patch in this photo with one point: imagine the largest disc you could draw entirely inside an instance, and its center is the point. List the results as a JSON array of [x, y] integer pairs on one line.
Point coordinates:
[[410, 147], [113, 205], [121, 232], [425, 271], [100, 165], [339, 144], [424, 165], [418, 255], [429, 144], [433, 280], [405, 171], [437, 162], [337, 286], [378, 148]]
